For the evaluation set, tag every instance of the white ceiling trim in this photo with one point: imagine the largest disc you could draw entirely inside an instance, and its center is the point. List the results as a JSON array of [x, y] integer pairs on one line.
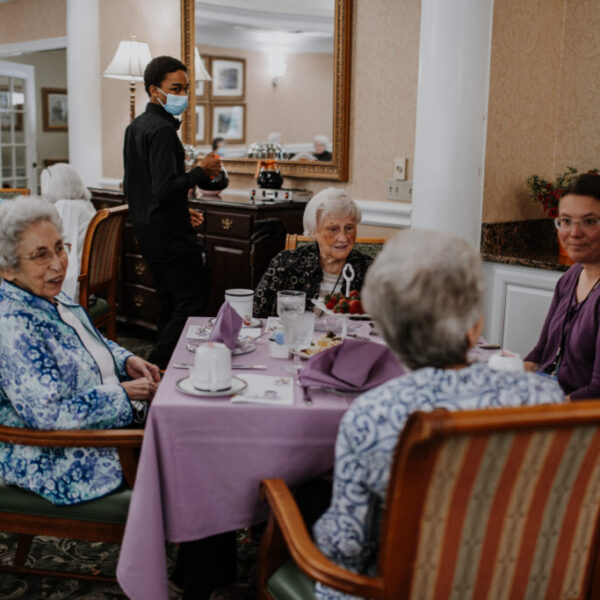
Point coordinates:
[[17, 48], [324, 8]]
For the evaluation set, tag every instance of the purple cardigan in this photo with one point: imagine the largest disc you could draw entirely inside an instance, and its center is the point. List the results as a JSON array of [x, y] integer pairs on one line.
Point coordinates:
[[579, 371]]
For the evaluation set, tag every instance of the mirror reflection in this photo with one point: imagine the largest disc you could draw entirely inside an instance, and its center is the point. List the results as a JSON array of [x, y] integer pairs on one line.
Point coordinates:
[[271, 63]]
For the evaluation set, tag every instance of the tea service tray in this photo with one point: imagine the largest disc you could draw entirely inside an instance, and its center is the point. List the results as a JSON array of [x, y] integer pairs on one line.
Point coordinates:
[[186, 386]]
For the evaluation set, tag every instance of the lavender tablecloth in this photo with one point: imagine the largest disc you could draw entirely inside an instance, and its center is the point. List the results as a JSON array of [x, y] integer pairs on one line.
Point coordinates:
[[203, 458]]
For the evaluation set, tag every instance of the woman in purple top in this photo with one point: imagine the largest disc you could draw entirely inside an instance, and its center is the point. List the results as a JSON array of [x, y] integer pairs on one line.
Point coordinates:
[[569, 345]]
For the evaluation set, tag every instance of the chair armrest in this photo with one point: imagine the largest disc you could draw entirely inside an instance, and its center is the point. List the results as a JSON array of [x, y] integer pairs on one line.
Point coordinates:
[[100, 438], [305, 552]]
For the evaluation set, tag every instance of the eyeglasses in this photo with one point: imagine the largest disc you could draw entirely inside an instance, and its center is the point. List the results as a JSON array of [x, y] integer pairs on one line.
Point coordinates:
[[44, 257], [587, 224]]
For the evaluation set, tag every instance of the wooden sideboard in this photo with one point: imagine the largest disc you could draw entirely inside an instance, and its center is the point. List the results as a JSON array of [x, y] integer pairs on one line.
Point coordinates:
[[240, 239]]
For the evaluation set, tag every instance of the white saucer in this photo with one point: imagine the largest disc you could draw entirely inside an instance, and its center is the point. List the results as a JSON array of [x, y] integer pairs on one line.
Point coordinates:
[[185, 385], [254, 323], [243, 346]]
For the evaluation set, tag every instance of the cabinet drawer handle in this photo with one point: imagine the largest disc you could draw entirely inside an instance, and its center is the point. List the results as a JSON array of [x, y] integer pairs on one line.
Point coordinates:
[[140, 268], [139, 300], [226, 223]]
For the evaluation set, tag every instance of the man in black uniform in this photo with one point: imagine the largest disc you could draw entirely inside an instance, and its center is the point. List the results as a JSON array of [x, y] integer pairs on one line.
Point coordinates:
[[156, 186]]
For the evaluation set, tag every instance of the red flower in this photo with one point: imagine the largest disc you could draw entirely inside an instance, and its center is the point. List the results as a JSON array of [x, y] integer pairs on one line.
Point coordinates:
[[553, 212]]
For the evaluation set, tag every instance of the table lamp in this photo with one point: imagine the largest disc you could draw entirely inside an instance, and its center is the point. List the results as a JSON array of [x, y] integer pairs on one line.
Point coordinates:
[[128, 64]]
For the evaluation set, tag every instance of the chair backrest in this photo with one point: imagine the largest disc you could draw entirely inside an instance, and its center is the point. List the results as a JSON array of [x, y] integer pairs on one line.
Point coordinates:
[[101, 252], [369, 246], [499, 503], [6, 193]]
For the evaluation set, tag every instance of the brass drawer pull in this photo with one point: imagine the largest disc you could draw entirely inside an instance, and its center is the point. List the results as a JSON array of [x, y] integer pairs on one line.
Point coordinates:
[[140, 268], [226, 223], [139, 300]]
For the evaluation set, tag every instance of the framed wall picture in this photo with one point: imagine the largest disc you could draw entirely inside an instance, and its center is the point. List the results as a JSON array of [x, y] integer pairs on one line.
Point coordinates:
[[228, 78], [229, 122], [54, 109], [202, 87], [202, 129]]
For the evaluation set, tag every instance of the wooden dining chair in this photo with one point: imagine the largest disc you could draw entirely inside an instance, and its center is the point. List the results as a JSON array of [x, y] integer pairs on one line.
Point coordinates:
[[6, 193], [100, 267], [103, 520], [491, 503]]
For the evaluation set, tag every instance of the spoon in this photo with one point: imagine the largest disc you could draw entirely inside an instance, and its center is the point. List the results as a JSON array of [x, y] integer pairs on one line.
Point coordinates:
[[248, 367]]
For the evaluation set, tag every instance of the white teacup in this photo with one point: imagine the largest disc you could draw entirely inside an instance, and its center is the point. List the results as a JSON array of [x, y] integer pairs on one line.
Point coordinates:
[[212, 367], [506, 361], [241, 300]]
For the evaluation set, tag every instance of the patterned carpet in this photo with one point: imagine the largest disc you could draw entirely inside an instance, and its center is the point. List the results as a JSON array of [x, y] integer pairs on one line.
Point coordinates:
[[101, 558]]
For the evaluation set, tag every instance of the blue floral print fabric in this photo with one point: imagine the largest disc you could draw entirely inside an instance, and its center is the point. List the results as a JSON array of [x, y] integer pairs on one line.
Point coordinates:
[[348, 532], [48, 380]]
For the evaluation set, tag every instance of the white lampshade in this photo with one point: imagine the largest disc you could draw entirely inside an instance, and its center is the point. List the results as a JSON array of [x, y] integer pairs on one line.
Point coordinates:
[[201, 72], [129, 61]]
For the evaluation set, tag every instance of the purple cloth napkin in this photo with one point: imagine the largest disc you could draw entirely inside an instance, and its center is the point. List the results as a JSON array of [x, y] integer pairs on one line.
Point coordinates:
[[226, 327], [354, 365]]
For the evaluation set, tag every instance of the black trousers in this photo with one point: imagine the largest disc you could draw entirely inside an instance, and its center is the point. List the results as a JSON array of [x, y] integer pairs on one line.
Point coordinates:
[[182, 287]]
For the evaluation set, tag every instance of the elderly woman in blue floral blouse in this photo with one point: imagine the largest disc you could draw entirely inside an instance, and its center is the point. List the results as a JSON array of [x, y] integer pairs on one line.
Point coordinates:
[[424, 291], [56, 370]]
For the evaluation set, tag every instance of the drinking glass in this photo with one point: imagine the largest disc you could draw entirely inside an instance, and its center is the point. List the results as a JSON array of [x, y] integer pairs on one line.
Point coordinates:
[[290, 301], [298, 330]]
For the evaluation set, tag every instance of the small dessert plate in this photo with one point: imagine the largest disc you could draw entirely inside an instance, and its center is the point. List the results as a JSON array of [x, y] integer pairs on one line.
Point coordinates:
[[254, 323], [243, 347], [186, 386]]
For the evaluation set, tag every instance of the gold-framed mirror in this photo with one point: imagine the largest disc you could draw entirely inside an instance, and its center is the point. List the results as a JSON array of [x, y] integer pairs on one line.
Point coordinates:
[[334, 169]]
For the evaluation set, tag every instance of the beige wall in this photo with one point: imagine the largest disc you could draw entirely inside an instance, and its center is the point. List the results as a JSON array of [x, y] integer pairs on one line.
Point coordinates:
[[300, 106], [156, 22], [22, 20], [544, 111], [50, 71]]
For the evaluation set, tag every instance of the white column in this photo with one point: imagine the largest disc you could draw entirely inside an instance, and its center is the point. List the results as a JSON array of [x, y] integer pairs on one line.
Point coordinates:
[[452, 103], [83, 82]]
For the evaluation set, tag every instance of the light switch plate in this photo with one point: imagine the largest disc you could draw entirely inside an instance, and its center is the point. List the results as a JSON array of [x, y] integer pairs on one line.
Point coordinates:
[[398, 191], [400, 168]]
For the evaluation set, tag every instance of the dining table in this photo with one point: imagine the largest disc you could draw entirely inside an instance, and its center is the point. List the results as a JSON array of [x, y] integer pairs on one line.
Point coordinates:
[[202, 460]]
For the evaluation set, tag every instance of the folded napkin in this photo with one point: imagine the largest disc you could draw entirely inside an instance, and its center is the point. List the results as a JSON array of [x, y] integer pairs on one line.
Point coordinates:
[[353, 365], [266, 389], [227, 326]]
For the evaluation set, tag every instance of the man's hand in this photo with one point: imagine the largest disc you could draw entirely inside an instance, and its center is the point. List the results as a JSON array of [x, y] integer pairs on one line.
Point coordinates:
[[210, 164], [196, 217], [137, 367]]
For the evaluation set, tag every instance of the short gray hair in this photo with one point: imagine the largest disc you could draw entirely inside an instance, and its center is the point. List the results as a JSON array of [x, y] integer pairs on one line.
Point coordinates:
[[331, 201], [16, 215], [62, 182], [424, 291]]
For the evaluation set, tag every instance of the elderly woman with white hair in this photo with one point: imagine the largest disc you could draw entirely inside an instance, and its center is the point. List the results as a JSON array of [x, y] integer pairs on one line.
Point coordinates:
[[62, 185], [331, 218], [425, 293], [56, 370]]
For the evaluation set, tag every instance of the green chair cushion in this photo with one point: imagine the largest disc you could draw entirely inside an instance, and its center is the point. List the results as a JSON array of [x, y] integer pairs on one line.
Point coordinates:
[[110, 509], [98, 308], [290, 583]]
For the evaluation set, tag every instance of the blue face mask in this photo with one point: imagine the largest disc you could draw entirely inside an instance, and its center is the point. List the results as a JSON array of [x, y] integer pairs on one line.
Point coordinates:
[[175, 104]]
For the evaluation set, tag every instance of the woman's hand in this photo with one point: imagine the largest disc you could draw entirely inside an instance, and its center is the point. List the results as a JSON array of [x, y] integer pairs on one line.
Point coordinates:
[[137, 367], [139, 389], [530, 366]]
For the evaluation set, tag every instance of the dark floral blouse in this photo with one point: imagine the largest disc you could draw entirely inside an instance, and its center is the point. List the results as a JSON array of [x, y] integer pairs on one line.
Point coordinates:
[[300, 270]]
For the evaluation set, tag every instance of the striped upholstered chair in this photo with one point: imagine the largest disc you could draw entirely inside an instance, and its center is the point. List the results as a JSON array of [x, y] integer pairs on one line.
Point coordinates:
[[369, 246], [488, 504], [6, 193], [100, 267]]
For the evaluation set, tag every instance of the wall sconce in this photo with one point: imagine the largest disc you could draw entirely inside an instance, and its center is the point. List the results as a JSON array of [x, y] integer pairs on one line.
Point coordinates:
[[128, 64], [276, 65]]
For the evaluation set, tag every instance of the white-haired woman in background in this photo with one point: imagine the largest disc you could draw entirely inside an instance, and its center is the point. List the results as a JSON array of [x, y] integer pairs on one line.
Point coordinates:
[[62, 185], [425, 292], [331, 218]]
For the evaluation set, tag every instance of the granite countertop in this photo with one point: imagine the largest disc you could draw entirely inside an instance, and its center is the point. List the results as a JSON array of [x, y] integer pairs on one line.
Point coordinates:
[[526, 243]]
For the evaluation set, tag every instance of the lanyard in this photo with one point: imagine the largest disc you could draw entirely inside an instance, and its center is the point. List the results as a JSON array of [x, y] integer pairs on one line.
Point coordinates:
[[572, 310]]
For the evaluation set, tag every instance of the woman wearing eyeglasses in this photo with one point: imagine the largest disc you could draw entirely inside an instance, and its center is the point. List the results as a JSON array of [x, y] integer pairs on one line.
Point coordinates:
[[569, 345], [56, 370]]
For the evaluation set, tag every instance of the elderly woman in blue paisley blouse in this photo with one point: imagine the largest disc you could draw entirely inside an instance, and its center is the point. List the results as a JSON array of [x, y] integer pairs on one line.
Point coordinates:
[[424, 291], [56, 370], [331, 218]]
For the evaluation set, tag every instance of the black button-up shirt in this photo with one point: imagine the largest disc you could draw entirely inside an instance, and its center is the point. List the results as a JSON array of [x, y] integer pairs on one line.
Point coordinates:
[[156, 186]]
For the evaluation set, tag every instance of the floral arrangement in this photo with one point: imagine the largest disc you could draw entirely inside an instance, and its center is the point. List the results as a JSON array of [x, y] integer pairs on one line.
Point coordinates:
[[548, 194]]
